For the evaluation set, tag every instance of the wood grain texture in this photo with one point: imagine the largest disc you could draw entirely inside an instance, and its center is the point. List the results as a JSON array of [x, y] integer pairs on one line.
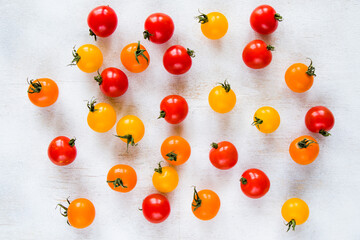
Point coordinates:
[[36, 41]]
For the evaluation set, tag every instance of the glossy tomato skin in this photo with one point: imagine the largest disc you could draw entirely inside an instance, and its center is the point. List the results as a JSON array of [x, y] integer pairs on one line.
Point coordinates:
[[254, 183], [62, 151], [263, 19], [114, 82], [215, 27], [126, 174], [103, 118], [319, 119], [102, 21], [90, 58], [81, 213], [304, 150], [177, 60], [295, 211], [175, 150], [297, 79], [256, 54], [266, 119], [128, 58], [156, 208], [175, 109], [208, 207], [130, 125], [165, 179], [222, 99], [223, 155], [160, 27], [46, 92]]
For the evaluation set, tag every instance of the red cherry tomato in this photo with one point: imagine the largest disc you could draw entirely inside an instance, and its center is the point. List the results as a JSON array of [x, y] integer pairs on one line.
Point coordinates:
[[62, 151], [156, 208], [177, 59], [223, 155], [264, 19], [113, 82], [159, 28], [320, 120], [257, 54], [174, 109], [102, 21], [254, 183]]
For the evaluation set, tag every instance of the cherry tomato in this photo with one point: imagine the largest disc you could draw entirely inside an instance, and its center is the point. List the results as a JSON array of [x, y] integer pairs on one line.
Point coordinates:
[[257, 54], [266, 119], [80, 213], [113, 82], [43, 92], [213, 25], [159, 28], [101, 117], [88, 58], [62, 150], [223, 155], [205, 205], [264, 19], [102, 21], [173, 109], [130, 129], [295, 211], [175, 150], [320, 120], [254, 183], [122, 178], [304, 150], [165, 179], [134, 57], [222, 99], [177, 59], [299, 77], [156, 208]]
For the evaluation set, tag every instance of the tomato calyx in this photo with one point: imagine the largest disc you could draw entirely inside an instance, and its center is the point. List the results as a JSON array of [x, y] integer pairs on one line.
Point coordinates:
[[311, 69], [197, 200], [91, 105], [76, 57], [117, 183], [171, 156], [72, 142], [35, 86], [257, 122], [291, 224], [270, 48], [190, 52], [63, 209], [278, 17], [214, 145], [130, 140], [324, 133], [202, 18], [162, 114], [91, 33], [98, 78], [159, 169], [305, 143], [140, 52], [243, 180], [147, 35], [226, 86]]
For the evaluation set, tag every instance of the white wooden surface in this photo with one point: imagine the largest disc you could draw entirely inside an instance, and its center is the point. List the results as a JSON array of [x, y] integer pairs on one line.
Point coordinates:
[[36, 41]]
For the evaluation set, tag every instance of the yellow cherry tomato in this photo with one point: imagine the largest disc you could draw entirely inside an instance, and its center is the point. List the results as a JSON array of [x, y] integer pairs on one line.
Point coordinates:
[[266, 119], [88, 58], [130, 129], [213, 25], [165, 179], [222, 99], [295, 211], [101, 117]]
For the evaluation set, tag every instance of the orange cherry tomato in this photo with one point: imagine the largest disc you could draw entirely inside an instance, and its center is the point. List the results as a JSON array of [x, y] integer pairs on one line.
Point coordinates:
[[122, 178], [299, 77], [165, 179], [134, 57], [175, 150], [80, 213], [43, 92], [304, 150], [206, 204], [101, 117]]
